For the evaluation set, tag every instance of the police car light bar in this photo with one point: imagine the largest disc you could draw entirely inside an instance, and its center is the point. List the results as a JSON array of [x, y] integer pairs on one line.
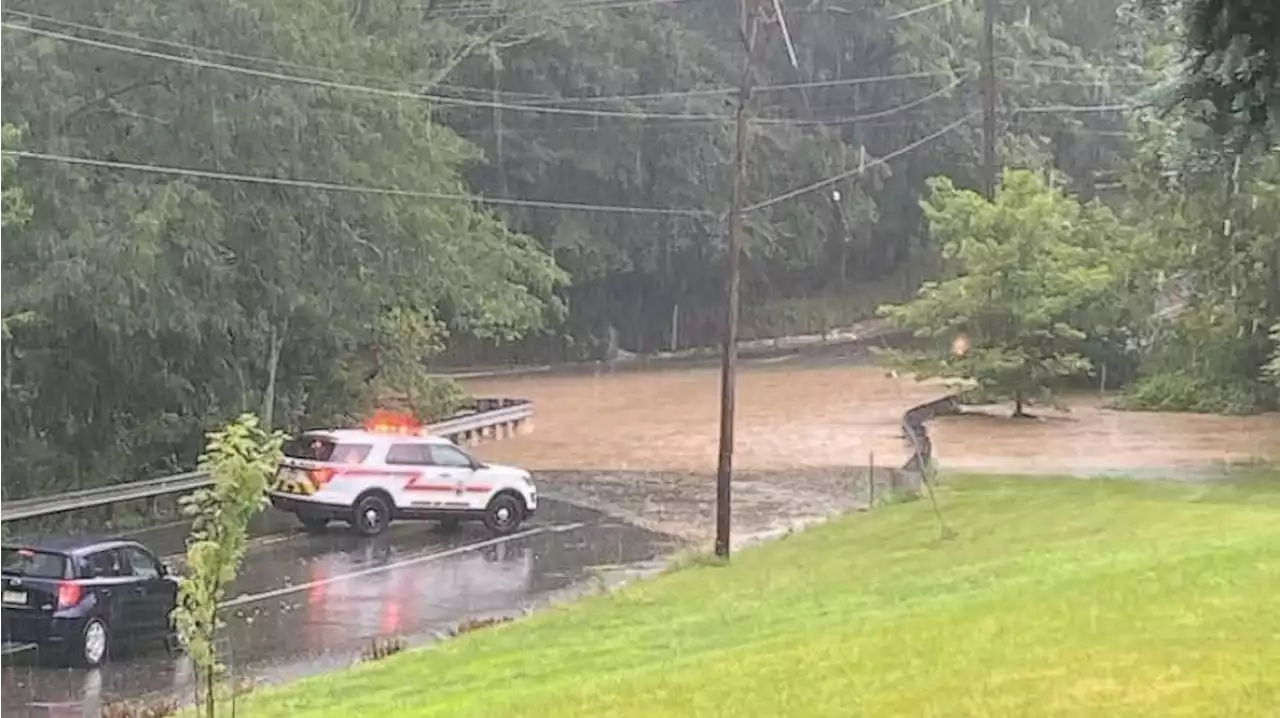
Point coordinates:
[[385, 421]]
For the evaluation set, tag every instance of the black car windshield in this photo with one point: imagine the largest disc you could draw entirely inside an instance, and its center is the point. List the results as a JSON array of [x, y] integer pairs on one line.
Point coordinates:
[[36, 564]]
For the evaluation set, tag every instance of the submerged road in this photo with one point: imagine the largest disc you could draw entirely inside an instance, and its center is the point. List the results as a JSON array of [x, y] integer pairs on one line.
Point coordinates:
[[305, 604]]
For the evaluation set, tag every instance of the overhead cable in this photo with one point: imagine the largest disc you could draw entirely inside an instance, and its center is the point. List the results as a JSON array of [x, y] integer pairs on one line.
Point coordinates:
[[860, 169], [358, 189], [398, 94]]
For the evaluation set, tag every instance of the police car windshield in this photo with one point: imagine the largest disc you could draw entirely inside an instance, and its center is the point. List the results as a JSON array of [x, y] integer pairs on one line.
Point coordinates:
[[319, 448]]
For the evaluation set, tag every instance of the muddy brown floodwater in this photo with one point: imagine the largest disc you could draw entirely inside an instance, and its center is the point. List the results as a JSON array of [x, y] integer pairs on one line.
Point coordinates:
[[642, 445], [1088, 438], [788, 417]]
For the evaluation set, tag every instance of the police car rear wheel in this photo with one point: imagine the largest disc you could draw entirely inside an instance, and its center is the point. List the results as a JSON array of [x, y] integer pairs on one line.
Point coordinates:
[[371, 515], [503, 514]]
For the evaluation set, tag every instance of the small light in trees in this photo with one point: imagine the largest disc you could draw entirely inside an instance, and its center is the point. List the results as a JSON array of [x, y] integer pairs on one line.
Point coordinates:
[[960, 345], [835, 195]]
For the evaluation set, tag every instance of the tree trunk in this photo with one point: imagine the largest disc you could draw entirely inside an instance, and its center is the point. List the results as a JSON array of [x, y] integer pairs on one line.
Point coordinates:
[[1018, 413], [210, 700], [273, 366]]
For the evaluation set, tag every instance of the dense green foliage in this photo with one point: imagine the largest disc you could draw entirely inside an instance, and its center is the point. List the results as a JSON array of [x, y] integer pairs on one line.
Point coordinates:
[[1233, 49], [1038, 277], [143, 308]]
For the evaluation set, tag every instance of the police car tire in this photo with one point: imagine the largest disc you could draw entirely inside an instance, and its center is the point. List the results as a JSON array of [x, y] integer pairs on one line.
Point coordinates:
[[493, 514], [377, 503]]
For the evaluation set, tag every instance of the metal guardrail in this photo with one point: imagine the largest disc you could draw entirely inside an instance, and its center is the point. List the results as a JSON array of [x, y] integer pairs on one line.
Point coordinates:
[[486, 414], [913, 425]]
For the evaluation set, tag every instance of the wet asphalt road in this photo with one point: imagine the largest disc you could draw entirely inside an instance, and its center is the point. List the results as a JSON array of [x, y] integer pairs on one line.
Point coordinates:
[[305, 603]]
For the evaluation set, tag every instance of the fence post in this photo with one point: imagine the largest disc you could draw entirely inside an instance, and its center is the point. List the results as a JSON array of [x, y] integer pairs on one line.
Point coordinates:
[[871, 481]]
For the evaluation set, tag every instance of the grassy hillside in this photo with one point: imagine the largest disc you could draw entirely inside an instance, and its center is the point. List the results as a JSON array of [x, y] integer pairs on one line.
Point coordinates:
[[1056, 598]]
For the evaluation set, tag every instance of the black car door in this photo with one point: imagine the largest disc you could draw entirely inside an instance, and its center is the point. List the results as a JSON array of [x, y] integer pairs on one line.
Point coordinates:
[[109, 581], [152, 593]]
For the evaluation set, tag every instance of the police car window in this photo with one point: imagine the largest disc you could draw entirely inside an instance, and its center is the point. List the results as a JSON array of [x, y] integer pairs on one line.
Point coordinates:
[[408, 454], [350, 453], [449, 456], [104, 564], [143, 565], [310, 448]]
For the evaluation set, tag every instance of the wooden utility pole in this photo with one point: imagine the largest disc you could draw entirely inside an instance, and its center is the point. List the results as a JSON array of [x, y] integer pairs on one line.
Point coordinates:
[[990, 174], [729, 348]]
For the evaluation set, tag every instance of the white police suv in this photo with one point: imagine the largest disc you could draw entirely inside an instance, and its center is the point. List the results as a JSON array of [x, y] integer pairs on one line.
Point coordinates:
[[368, 477]]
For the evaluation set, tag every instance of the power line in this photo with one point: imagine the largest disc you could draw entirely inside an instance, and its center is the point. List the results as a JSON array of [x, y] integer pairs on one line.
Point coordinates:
[[357, 189], [398, 94], [731, 90], [1073, 109], [862, 168], [479, 13], [1069, 66], [916, 11], [250, 58], [536, 99], [866, 116]]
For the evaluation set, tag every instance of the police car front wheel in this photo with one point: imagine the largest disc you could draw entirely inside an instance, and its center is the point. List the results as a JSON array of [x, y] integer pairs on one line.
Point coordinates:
[[504, 514], [371, 514]]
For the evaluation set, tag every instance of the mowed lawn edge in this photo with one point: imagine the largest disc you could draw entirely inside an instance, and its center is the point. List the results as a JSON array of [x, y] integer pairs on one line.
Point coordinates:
[[1055, 597]]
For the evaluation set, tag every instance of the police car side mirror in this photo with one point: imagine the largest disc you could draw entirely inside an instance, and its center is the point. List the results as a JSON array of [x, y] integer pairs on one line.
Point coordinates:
[[477, 464]]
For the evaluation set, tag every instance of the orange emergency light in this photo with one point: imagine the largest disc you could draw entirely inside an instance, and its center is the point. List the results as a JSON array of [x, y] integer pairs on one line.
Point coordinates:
[[385, 421]]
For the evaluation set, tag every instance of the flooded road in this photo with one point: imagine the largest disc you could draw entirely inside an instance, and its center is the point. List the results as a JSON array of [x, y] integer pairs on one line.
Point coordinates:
[[1091, 439], [308, 604], [792, 417], [789, 417]]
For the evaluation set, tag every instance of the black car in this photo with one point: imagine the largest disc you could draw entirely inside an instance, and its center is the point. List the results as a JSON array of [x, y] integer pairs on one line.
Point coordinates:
[[82, 597]]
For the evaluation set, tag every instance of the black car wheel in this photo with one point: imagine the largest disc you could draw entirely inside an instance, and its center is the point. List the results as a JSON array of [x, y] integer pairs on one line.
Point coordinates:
[[504, 514], [95, 641], [371, 515], [313, 524]]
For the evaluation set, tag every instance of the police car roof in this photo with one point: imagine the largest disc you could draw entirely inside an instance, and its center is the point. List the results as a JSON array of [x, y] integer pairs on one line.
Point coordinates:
[[357, 435]]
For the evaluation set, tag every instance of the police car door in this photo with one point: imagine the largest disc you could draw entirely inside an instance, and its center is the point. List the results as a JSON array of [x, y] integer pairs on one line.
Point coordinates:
[[455, 468], [422, 488]]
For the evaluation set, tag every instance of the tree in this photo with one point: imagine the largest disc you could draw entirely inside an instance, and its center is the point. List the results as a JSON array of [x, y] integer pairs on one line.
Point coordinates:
[[1234, 51], [1030, 270], [240, 459], [185, 301]]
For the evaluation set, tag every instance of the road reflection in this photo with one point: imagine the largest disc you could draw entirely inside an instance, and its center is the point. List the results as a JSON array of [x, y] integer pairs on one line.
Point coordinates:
[[314, 603]]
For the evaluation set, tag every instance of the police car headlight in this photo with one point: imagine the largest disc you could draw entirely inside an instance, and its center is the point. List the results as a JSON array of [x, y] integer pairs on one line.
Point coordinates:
[[527, 479]]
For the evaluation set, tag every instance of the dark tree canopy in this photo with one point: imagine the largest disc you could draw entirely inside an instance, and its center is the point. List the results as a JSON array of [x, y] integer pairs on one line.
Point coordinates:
[[1234, 48]]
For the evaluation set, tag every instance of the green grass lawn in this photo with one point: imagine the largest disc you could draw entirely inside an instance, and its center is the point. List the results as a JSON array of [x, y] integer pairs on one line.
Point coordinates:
[[1056, 598]]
